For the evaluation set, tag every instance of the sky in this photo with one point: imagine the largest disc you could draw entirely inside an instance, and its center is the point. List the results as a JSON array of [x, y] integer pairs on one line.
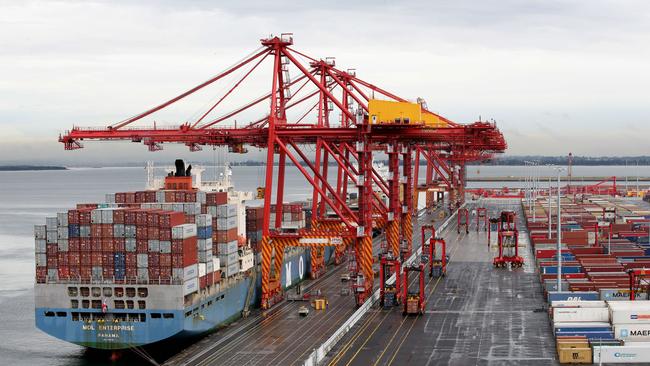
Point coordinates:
[[556, 76]]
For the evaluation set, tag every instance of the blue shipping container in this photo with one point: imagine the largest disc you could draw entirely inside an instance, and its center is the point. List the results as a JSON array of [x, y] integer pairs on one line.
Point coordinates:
[[572, 296]]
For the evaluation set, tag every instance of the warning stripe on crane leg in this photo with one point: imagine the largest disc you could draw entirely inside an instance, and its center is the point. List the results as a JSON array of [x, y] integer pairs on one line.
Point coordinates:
[[266, 267], [392, 235], [407, 228]]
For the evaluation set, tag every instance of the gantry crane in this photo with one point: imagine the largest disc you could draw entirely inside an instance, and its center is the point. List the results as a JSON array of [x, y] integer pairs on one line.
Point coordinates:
[[347, 121]]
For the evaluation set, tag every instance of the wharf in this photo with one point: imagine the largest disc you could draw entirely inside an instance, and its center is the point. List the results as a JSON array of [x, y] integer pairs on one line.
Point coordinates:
[[280, 336], [476, 315]]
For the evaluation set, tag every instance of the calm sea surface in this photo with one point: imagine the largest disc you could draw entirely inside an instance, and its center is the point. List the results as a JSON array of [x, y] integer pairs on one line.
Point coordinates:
[[26, 198]]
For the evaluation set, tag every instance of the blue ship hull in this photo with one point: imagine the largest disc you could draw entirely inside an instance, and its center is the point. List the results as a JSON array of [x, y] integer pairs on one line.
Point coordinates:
[[203, 316]]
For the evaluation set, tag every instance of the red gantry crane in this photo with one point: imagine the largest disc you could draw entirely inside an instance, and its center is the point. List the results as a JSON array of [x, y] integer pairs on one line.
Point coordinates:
[[339, 118]]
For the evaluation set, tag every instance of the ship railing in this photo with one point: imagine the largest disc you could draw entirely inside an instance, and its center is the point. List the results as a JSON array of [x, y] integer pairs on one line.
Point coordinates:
[[113, 281]]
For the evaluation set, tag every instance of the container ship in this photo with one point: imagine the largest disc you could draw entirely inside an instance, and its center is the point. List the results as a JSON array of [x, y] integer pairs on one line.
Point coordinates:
[[173, 261]]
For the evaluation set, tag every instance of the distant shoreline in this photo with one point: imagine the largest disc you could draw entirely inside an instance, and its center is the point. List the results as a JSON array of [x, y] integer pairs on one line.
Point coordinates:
[[20, 168]]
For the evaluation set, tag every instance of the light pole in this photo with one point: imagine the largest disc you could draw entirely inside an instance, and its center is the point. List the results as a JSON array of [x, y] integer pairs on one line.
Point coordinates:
[[550, 190], [559, 232]]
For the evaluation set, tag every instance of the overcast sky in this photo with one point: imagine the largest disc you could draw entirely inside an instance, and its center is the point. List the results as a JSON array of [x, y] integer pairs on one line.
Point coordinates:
[[557, 76]]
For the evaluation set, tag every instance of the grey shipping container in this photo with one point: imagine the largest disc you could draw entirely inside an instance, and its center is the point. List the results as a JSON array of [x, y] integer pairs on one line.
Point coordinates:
[[52, 237], [143, 273], [118, 230], [52, 274], [51, 223], [62, 232], [204, 244], [130, 244], [41, 260], [154, 245], [143, 261], [97, 272], [205, 256], [40, 232], [165, 246], [40, 246], [129, 231], [227, 211], [227, 248], [226, 223], [231, 270], [84, 231], [62, 244], [228, 259]]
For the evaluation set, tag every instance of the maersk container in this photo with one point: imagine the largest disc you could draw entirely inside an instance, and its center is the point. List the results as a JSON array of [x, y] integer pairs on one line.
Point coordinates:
[[620, 295], [575, 314], [621, 354], [632, 332]]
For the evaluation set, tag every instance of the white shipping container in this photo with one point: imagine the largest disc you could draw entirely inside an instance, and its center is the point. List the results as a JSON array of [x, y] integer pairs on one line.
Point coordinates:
[[107, 216], [581, 325], [227, 210], [62, 219], [84, 231], [165, 246], [184, 231], [629, 312], [40, 232], [209, 266], [203, 220], [231, 270], [246, 262], [632, 332], [96, 217], [190, 286], [215, 263], [110, 197], [201, 269], [212, 210], [154, 245], [143, 273], [191, 271], [40, 246], [228, 259], [205, 256], [176, 207], [130, 244], [200, 197], [226, 223], [160, 196], [118, 230], [192, 208], [621, 354], [579, 304], [129, 231], [204, 244], [566, 314], [227, 248]]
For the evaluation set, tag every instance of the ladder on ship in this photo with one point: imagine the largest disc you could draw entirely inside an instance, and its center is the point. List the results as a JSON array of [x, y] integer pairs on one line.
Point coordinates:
[[249, 295]]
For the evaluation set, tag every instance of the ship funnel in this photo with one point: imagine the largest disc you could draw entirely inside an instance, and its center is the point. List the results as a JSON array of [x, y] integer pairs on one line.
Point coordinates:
[[180, 168]]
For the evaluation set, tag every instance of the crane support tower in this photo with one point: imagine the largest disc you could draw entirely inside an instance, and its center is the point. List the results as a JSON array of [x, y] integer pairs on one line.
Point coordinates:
[[345, 124], [508, 240], [639, 282], [389, 294], [482, 217], [414, 300], [463, 220]]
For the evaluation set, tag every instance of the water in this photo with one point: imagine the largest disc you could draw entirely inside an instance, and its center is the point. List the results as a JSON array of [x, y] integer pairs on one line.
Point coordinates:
[[28, 197]]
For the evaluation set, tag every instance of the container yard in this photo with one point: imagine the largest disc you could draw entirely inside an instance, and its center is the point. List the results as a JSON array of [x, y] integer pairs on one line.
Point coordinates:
[[389, 259]]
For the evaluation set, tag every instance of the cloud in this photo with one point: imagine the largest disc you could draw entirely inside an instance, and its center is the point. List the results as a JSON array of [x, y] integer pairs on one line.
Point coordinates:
[[569, 70]]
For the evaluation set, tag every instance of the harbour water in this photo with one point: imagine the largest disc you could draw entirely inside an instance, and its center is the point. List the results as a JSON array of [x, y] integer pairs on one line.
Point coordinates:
[[26, 197]]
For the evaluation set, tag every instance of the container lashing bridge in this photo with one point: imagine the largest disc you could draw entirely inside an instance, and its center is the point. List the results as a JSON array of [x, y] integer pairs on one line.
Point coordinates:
[[347, 121]]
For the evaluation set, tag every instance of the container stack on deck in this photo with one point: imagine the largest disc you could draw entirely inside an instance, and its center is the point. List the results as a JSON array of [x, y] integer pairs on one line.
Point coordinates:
[[293, 218], [154, 237]]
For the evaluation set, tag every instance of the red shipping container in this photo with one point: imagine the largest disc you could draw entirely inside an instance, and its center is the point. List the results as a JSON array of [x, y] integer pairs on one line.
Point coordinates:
[[107, 245], [96, 258], [85, 244], [204, 209], [51, 249], [120, 197], [75, 272], [118, 216], [107, 230], [224, 236], [62, 259], [141, 218], [203, 281], [85, 272], [131, 260], [165, 260], [179, 196], [52, 262], [150, 196], [165, 272], [154, 259], [216, 277], [140, 197], [119, 244], [73, 217], [108, 260], [170, 196], [95, 231], [154, 273], [190, 252], [152, 218], [86, 259], [130, 217], [141, 246], [129, 197], [190, 219], [168, 219], [74, 244], [190, 197], [41, 272], [165, 234], [131, 272], [153, 233], [84, 217], [74, 258], [108, 272], [177, 260], [141, 232], [85, 206], [64, 273], [216, 198]]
